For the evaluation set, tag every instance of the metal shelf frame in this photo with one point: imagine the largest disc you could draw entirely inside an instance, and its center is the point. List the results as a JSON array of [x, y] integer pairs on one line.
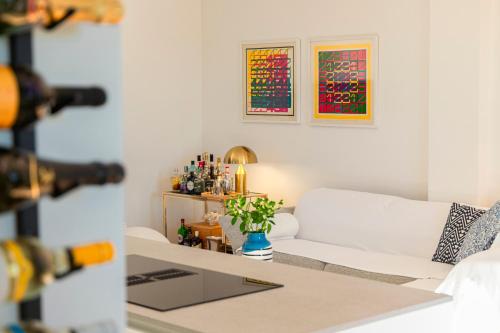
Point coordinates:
[[21, 54]]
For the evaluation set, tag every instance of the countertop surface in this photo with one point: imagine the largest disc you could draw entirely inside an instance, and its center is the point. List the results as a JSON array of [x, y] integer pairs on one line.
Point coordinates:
[[310, 300]]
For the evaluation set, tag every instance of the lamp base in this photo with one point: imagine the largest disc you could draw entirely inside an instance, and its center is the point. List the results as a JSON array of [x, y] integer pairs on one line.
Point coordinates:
[[240, 179]]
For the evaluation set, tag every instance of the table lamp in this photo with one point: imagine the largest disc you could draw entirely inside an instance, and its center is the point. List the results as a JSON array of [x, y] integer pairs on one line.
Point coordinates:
[[240, 155]]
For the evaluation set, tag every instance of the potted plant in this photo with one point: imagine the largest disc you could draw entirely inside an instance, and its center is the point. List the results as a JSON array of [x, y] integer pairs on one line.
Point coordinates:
[[256, 219]]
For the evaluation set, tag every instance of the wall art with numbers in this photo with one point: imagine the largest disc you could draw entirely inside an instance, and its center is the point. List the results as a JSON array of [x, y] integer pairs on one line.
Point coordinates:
[[344, 78], [270, 81]]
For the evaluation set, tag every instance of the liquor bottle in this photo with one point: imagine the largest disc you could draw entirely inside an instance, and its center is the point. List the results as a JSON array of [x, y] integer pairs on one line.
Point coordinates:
[[37, 327], [182, 233], [198, 164], [196, 241], [183, 182], [28, 266], [191, 179], [218, 168], [26, 98], [189, 237], [212, 167], [217, 189], [18, 15], [226, 181], [175, 180], [24, 178], [199, 184]]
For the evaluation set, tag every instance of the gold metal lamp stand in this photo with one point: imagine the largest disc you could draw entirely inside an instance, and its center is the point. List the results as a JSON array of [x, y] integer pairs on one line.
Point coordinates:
[[240, 155]]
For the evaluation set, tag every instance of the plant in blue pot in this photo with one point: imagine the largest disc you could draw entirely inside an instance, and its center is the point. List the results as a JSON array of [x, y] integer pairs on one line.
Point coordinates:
[[256, 220]]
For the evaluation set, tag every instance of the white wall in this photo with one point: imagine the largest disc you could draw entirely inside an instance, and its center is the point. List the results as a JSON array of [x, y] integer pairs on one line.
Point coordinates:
[[84, 135], [162, 99], [464, 81], [390, 159]]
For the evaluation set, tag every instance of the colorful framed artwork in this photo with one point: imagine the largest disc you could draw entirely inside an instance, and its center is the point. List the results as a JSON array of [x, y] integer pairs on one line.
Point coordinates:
[[270, 81], [344, 80]]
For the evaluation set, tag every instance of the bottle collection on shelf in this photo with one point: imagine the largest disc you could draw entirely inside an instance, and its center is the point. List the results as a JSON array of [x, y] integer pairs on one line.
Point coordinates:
[[186, 237], [26, 266], [204, 177]]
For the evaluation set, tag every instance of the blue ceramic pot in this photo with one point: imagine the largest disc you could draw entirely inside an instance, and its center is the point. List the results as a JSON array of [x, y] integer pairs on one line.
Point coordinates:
[[257, 247]]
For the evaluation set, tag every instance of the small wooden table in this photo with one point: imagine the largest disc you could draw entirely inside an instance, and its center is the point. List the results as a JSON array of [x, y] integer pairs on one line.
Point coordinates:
[[205, 230], [310, 300]]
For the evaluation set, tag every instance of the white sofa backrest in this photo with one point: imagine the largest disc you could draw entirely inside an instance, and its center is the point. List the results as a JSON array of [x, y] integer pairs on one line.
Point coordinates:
[[373, 222]]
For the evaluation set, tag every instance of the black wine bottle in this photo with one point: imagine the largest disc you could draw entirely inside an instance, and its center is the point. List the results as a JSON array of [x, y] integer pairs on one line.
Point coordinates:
[[25, 97], [24, 178], [20, 15]]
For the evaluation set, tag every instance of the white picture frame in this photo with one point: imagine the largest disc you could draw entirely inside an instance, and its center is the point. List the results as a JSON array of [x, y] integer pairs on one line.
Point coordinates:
[[251, 114], [333, 45]]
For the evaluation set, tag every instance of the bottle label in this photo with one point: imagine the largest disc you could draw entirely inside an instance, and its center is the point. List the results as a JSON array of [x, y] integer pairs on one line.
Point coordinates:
[[190, 186], [9, 97], [180, 239]]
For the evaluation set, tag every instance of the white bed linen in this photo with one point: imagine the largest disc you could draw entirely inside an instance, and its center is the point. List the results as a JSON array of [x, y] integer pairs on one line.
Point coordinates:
[[364, 260]]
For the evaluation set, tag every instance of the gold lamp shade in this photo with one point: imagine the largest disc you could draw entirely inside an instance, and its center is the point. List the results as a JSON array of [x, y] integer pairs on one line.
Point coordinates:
[[240, 155]]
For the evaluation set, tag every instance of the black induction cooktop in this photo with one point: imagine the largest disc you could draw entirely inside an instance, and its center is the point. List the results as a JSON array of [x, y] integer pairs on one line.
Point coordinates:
[[162, 285]]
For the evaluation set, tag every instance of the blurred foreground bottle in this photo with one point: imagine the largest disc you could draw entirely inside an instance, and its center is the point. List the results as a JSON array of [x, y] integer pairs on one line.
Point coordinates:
[[37, 327], [18, 15], [24, 178], [25, 97], [26, 266]]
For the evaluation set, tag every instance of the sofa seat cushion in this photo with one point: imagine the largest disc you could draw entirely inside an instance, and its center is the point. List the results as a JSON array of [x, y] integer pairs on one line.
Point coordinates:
[[381, 263]]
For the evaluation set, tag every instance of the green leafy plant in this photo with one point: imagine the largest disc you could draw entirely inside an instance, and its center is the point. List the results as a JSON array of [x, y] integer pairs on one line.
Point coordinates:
[[255, 216]]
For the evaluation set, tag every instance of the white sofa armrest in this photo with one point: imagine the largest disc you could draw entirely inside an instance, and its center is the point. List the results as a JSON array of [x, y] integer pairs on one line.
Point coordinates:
[[474, 284], [482, 268]]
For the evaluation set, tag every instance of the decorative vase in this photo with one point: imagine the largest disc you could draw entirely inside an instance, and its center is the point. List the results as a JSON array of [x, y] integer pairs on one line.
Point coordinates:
[[257, 247]]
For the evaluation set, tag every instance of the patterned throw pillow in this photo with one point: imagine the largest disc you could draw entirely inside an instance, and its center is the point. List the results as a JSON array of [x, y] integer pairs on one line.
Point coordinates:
[[480, 235], [459, 221]]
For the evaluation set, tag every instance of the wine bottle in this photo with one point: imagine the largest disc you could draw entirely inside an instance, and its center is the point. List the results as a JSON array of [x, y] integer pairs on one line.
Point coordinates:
[[196, 241], [37, 327], [212, 167], [29, 266], [188, 239], [24, 178], [191, 179], [25, 98], [16, 15], [183, 182], [182, 233]]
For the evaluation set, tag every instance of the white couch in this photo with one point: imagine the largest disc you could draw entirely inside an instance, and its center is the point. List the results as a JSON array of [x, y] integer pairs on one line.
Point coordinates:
[[370, 232], [392, 236]]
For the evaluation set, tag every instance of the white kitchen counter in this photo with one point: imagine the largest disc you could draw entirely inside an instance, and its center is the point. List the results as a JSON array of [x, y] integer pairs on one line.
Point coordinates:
[[310, 300]]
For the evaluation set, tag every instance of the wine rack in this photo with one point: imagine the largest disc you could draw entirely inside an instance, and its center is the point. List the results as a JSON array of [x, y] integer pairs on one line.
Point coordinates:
[[21, 53]]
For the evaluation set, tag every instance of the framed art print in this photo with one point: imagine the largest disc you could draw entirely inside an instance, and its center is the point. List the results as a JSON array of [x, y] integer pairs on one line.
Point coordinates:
[[270, 81], [344, 79]]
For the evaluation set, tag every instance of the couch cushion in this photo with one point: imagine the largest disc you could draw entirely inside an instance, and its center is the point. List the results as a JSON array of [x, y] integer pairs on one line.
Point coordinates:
[[372, 222], [460, 219], [481, 234], [382, 263]]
